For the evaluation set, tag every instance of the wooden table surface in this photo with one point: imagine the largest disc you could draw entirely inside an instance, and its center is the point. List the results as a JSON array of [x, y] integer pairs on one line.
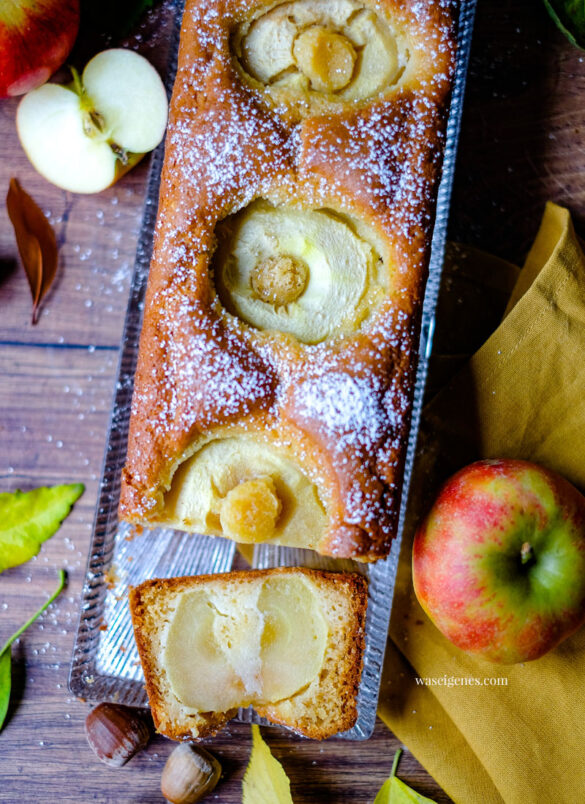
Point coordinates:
[[522, 142]]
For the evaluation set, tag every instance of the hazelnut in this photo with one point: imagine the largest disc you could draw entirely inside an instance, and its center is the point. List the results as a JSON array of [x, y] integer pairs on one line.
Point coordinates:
[[115, 733], [189, 774]]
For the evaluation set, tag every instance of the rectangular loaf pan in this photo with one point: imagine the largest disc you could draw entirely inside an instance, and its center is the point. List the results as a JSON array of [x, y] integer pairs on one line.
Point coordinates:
[[105, 664]]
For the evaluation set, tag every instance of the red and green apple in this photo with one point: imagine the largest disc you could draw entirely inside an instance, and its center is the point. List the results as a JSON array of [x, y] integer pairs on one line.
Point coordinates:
[[84, 136], [499, 561], [36, 37]]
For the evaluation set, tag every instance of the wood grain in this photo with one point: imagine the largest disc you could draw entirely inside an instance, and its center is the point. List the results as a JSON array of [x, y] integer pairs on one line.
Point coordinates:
[[523, 141]]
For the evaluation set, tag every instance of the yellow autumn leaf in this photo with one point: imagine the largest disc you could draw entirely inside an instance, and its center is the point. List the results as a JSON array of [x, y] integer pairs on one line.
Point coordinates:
[[265, 781], [394, 791]]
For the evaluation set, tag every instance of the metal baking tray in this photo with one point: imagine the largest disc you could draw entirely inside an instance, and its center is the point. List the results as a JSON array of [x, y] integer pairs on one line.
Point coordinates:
[[105, 664]]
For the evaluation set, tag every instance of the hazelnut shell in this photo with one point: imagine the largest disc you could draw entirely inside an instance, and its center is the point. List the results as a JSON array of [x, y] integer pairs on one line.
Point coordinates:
[[189, 774], [115, 733]]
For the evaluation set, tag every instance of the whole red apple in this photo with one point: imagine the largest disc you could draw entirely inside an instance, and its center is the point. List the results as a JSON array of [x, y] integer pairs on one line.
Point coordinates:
[[36, 37], [499, 562]]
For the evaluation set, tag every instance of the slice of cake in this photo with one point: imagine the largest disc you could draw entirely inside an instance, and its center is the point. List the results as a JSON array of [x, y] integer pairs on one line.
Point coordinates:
[[287, 641]]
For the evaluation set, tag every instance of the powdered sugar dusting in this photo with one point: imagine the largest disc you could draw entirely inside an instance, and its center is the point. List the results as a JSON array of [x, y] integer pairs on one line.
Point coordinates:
[[239, 151], [388, 157], [210, 376], [200, 367], [348, 408], [349, 416]]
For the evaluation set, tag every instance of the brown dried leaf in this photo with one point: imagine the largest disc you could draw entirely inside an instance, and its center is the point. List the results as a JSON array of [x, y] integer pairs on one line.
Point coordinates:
[[36, 242]]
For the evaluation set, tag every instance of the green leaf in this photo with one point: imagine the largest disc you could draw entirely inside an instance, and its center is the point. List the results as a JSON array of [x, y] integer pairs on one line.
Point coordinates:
[[27, 519], [5, 653], [265, 781], [5, 683], [394, 791], [569, 16]]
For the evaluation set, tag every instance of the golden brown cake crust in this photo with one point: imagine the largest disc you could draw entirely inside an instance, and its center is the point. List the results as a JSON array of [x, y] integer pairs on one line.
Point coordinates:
[[340, 408], [337, 696]]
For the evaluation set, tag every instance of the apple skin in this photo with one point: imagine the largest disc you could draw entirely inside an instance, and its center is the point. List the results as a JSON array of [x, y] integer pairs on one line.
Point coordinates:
[[468, 572], [36, 37]]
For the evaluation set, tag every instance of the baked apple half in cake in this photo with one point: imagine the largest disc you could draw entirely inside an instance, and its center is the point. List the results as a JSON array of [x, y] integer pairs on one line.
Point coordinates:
[[247, 491], [309, 273], [254, 648], [321, 51]]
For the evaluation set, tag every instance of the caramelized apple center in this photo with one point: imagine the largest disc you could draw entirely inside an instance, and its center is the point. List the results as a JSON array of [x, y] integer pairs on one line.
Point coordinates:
[[249, 511], [326, 58], [279, 280]]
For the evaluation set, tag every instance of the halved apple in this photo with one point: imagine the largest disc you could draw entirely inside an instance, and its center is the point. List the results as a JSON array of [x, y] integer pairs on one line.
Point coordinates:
[[294, 637], [195, 659], [84, 136]]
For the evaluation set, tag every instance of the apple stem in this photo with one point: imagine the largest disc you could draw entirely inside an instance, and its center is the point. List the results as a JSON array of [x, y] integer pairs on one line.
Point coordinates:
[[121, 153], [526, 553], [77, 85]]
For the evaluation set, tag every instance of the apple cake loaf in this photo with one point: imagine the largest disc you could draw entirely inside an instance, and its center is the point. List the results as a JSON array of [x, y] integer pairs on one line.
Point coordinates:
[[289, 641], [277, 358]]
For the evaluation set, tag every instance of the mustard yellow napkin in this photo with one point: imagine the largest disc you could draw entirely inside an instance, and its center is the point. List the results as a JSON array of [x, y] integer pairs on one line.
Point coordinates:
[[512, 734]]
